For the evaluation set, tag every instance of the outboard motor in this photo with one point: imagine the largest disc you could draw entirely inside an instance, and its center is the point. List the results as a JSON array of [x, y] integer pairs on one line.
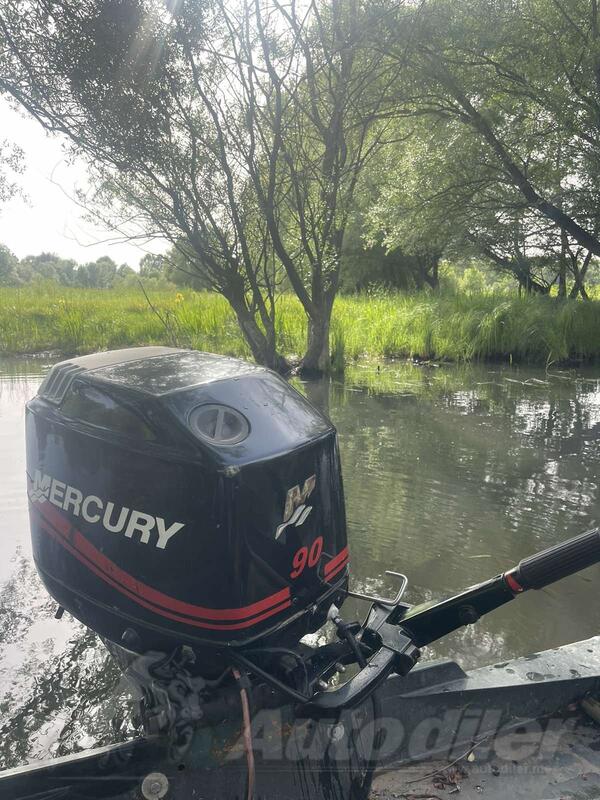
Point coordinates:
[[182, 498], [189, 506]]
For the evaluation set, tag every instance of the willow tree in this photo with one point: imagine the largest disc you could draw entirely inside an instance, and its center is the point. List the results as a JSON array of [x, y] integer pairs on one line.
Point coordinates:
[[521, 80], [317, 97], [440, 193], [113, 77], [236, 131]]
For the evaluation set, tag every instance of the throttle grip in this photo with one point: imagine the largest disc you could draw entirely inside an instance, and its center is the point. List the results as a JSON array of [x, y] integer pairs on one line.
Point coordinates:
[[557, 562]]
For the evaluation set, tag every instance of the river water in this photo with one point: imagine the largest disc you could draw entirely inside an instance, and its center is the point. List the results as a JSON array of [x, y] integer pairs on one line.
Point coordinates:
[[451, 474]]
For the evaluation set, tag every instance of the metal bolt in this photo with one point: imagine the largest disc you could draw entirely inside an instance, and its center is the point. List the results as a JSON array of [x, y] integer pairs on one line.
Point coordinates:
[[337, 732], [468, 615], [155, 786]]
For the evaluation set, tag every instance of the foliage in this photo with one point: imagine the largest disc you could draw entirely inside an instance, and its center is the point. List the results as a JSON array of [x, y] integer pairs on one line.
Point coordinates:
[[180, 269], [342, 145], [369, 263], [11, 165], [8, 267], [236, 131], [500, 102], [100, 274]]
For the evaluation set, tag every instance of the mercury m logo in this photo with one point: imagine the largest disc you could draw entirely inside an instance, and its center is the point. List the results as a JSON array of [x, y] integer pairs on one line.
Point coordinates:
[[296, 511]]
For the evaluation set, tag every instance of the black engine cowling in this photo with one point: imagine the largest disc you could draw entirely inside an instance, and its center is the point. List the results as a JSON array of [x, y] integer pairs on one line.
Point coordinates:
[[179, 497]]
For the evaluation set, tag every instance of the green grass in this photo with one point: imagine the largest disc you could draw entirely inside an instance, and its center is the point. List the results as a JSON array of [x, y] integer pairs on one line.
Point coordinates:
[[445, 326], [466, 327]]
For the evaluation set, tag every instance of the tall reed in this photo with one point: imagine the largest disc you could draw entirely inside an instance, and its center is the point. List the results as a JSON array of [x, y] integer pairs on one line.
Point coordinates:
[[451, 326]]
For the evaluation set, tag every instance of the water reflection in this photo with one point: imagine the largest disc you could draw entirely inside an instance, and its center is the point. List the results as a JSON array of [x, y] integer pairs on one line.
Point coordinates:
[[451, 474], [58, 690]]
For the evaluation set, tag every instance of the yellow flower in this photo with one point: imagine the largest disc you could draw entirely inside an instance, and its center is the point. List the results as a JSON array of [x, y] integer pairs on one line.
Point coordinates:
[[179, 297]]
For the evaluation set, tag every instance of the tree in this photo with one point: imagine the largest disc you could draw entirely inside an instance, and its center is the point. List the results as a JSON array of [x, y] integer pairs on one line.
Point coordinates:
[[444, 189], [152, 266], [315, 94], [368, 262], [182, 269], [236, 132], [522, 81], [8, 265], [48, 266], [99, 274], [125, 271], [120, 78]]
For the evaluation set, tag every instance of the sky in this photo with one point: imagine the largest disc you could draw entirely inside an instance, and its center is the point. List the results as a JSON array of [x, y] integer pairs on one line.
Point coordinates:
[[48, 219]]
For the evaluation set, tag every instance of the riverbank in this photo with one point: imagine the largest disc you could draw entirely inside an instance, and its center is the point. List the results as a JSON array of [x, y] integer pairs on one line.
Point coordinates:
[[452, 327]]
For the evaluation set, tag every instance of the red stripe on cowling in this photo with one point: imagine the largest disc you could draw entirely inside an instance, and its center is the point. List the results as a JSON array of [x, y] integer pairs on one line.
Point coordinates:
[[140, 590], [61, 524], [337, 569], [335, 561], [162, 612]]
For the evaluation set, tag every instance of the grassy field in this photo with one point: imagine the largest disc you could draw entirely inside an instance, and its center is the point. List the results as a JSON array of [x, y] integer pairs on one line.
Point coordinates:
[[446, 326]]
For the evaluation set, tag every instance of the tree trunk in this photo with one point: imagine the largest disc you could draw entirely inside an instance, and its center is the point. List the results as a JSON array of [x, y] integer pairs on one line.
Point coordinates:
[[562, 265], [263, 347], [435, 274], [316, 360], [579, 289], [263, 350], [430, 271], [579, 275], [522, 271]]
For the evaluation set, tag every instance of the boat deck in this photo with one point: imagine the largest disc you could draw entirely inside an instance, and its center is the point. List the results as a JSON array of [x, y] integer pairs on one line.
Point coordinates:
[[511, 730], [563, 763]]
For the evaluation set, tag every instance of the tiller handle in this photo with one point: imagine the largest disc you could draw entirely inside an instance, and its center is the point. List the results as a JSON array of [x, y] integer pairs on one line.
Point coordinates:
[[392, 634], [559, 561]]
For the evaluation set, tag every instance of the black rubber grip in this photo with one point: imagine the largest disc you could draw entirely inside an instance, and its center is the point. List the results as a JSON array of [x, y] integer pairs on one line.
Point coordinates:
[[559, 561]]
